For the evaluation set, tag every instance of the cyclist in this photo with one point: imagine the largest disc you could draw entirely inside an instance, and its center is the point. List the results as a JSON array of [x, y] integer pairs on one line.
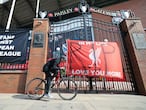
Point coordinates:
[[51, 71]]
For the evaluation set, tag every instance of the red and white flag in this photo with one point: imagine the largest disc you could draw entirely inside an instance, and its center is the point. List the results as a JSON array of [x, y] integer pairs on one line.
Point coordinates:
[[94, 59]]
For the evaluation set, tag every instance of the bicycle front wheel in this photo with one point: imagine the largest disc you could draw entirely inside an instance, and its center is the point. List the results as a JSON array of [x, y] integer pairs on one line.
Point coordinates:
[[67, 89], [35, 88]]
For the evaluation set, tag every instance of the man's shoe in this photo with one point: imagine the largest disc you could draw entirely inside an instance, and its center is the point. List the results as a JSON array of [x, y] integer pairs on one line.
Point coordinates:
[[48, 96]]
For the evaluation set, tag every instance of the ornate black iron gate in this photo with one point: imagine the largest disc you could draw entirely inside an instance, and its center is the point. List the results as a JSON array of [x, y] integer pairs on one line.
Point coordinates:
[[87, 28]]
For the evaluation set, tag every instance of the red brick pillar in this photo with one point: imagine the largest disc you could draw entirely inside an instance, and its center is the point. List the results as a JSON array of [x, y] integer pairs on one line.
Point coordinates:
[[38, 49], [135, 41]]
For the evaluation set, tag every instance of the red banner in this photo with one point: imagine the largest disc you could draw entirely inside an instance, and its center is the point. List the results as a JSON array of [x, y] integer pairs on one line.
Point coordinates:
[[94, 59]]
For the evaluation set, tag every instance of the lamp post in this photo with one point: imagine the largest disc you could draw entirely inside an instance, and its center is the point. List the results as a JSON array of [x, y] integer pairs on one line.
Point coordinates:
[[37, 8], [10, 15], [84, 9]]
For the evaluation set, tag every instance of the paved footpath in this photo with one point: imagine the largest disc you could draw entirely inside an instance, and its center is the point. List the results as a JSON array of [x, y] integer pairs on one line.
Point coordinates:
[[81, 102]]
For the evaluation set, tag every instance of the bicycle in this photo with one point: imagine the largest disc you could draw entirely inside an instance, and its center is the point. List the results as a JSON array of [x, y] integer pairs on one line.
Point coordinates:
[[66, 87]]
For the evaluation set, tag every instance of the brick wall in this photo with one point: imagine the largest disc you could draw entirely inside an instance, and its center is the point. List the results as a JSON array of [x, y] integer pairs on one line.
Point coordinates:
[[12, 81], [137, 55], [38, 55]]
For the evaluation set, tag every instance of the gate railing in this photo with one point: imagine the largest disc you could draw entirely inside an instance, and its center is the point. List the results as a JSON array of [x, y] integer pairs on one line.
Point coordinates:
[[99, 30]]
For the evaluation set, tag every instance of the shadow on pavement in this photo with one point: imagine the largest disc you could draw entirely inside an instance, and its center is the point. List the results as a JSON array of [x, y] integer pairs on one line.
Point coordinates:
[[25, 97], [21, 96]]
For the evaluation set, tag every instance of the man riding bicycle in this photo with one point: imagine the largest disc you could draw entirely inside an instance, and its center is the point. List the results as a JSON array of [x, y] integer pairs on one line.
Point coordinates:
[[66, 86], [51, 71]]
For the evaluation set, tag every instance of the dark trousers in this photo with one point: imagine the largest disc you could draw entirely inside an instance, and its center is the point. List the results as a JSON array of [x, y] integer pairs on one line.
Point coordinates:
[[49, 79]]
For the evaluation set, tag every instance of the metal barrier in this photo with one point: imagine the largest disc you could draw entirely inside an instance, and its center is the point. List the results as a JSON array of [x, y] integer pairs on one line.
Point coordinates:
[[97, 30], [97, 84]]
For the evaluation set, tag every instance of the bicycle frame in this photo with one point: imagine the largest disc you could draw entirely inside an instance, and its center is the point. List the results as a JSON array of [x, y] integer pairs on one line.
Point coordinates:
[[65, 86]]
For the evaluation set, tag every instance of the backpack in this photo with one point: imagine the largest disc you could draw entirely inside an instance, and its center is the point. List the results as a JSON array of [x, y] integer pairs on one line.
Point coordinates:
[[49, 66], [45, 68]]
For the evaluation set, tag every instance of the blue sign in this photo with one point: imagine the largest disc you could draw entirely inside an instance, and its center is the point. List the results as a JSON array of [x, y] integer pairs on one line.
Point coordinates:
[[13, 47]]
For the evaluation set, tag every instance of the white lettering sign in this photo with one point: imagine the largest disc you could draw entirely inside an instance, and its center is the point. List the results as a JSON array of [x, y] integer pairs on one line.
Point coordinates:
[[7, 48], [10, 53], [63, 12], [6, 42], [6, 37], [96, 73]]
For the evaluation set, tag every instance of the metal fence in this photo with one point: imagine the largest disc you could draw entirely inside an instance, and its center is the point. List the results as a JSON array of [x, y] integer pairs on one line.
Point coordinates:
[[97, 30]]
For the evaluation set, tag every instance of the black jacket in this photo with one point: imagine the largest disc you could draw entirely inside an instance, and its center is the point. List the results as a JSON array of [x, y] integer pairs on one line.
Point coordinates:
[[51, 66]]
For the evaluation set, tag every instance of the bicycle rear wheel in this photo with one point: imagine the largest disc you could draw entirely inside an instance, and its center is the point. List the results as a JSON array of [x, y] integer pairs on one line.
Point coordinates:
[[67, 89], [35, 88]]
